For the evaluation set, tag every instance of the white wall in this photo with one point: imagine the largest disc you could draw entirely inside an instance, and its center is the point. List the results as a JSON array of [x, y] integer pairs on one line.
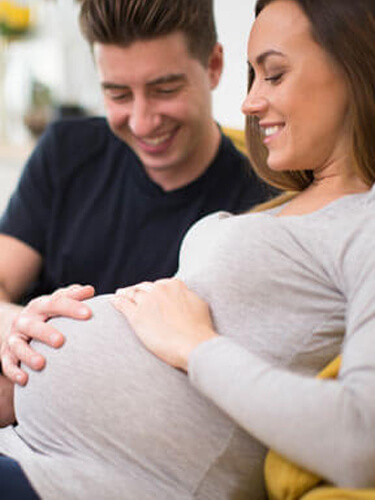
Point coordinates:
[[75, 75], [233, 18], [60, 58]]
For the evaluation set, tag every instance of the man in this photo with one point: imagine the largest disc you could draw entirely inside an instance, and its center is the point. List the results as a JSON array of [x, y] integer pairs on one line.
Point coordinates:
[[107, 202]]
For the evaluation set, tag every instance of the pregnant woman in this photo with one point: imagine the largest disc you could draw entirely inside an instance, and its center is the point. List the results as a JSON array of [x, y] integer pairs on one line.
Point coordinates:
[[260, 304]]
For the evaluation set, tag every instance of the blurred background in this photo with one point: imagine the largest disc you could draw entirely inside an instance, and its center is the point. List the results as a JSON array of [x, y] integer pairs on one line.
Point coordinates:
[[46, 72]]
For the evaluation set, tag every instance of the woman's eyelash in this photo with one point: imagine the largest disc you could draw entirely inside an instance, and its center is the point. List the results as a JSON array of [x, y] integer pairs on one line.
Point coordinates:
[[274, 78]]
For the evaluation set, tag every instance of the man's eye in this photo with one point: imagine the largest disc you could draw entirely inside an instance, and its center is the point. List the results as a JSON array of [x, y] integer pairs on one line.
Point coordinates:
[[274, 78], [117, 96], [120, 97], [167, 90]]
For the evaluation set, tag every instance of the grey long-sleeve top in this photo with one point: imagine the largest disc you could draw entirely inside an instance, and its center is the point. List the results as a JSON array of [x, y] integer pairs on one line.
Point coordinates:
[[107, 419], [300, 286]]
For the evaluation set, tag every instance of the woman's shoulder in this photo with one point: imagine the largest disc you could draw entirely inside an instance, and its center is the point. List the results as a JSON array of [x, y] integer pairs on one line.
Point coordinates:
[[210, 225], [207, 223]]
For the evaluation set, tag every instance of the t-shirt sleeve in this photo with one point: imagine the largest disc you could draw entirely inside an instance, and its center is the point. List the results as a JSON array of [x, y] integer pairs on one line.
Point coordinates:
[[28, 210], [326, 426]]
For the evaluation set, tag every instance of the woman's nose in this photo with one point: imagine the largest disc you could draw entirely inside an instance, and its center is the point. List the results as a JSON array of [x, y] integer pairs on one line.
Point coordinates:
[[255, 104]]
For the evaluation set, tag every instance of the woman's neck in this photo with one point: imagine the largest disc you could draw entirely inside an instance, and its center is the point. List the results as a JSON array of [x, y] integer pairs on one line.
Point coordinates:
[[322, 191]]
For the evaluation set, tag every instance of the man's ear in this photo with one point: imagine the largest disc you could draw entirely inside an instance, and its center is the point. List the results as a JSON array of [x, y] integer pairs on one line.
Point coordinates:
[[215, 65]]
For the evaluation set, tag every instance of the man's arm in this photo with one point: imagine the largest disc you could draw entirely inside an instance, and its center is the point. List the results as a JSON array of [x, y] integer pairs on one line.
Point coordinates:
[[30, 323], [19, 267], [7, 314]]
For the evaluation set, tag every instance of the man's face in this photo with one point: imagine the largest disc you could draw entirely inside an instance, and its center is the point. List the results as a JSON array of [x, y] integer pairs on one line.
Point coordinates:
[[158, 100]]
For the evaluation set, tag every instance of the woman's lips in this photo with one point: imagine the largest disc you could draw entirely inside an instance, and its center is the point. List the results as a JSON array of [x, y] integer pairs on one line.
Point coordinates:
[[271, 131]]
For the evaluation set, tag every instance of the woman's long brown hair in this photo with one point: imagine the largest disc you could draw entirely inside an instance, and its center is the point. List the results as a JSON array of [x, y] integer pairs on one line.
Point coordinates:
[[345, 29]]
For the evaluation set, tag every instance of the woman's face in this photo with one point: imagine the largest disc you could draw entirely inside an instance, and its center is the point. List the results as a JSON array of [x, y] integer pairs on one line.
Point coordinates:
[[299, 94]]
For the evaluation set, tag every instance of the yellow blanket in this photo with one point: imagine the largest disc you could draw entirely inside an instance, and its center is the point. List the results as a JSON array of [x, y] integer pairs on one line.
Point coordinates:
[[287, 481]]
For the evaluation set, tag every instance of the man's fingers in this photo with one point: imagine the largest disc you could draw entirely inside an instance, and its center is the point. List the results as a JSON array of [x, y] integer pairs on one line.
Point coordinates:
[[57, 305], [80, 292], [21, 351], [12, 370], [31, 324], [28, 327]]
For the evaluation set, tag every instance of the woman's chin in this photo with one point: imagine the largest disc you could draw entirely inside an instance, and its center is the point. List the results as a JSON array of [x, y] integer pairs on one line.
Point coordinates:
[[277, 164]]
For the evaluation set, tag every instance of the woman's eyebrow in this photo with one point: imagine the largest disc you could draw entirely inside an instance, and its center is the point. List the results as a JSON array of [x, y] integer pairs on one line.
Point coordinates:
[[260, 59]]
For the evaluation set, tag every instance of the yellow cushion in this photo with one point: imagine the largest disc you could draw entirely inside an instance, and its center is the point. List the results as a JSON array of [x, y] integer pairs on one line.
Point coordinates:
[[285, 480], [238, 138], [332, 493]]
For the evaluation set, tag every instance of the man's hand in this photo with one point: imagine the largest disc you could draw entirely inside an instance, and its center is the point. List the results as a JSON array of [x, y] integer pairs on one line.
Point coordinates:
[[31, 323]]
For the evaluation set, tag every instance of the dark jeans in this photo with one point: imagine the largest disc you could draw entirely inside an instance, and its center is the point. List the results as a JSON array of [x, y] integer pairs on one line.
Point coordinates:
[[14, 484]]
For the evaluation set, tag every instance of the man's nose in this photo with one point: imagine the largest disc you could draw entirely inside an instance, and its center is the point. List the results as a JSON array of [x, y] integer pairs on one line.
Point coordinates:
[[143, 118]]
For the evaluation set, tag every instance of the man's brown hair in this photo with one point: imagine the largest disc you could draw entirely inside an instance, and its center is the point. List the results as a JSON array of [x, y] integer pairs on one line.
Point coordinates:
[[122, 22]]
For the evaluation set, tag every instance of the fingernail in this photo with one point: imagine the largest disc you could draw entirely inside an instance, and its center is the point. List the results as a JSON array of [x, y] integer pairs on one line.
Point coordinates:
[[83, 312], [19, 379], [55, 338], [35, 361]]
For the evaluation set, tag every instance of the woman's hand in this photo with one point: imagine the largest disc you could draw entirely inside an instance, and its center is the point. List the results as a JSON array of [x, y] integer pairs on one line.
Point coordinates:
[[168, 318], [31, 323]]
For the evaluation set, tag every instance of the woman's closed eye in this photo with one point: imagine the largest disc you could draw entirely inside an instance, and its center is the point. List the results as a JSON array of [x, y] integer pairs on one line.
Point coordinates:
[[275, 78]]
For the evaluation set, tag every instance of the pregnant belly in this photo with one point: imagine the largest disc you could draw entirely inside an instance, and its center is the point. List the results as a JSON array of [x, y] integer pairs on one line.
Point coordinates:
[[103, 395]]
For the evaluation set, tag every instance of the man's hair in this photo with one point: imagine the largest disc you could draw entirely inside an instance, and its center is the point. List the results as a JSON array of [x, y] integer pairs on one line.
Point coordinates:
[[122, 22], [345, 29]]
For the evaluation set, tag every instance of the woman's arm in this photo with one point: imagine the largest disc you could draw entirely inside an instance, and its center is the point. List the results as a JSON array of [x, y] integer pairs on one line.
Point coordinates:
[[324, 426]]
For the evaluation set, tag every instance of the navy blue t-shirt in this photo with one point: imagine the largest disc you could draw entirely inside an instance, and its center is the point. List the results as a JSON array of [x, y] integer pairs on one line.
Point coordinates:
[[85, 203]]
